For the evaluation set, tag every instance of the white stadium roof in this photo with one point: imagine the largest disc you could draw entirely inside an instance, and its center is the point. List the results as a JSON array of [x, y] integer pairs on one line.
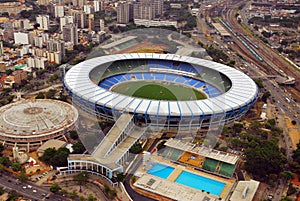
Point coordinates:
[[242, 92]]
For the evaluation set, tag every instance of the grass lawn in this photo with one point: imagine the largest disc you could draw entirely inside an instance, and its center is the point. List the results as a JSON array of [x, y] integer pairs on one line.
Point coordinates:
[[158, 91]]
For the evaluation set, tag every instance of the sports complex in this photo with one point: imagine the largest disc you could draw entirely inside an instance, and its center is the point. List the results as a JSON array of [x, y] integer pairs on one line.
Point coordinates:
[[147, 90], [161, 90]]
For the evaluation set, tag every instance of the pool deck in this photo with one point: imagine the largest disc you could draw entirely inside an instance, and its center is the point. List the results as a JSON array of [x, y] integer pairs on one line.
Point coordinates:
[[168, 187], [176, 172]]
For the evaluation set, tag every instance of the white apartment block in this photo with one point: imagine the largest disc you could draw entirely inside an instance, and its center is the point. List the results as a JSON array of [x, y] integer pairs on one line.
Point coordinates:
[[43, 21], [21, 38], [66, 20], [59, 10], [37, 62]]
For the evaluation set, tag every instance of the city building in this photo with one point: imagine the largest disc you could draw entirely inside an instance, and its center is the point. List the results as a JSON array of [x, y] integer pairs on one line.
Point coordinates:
[[65, 20], [19, 75], [155, 23], [12, 8], [70, 33], [79, 3], [124, 12], [43, 21], [148, 9], [22, 24], [43, 2], [102, 25], [59, 10], [145, 11], [37, 62], [54, 45], [21, 38], [88, 9], [1, 47]]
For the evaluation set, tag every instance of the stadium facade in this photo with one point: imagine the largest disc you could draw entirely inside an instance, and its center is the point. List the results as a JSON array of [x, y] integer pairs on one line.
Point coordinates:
[[230, 93]]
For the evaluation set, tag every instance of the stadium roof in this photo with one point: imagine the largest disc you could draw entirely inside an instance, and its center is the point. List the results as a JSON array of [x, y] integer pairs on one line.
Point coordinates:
[[242, 92]]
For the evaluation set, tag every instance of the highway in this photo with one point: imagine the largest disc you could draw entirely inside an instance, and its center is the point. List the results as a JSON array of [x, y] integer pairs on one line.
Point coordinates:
[[28, 190], [272, 64]]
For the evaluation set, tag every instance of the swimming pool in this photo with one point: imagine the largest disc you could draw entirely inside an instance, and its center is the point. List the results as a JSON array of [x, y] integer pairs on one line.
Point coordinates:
[[200, 183], [160, 170]]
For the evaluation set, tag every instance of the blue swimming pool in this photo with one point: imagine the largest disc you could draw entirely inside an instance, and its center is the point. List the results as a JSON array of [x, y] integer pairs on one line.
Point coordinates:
[[200, 183], [160, 170]]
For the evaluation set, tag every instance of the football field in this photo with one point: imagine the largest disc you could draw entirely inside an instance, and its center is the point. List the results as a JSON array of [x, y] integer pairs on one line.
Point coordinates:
[[158, 91]]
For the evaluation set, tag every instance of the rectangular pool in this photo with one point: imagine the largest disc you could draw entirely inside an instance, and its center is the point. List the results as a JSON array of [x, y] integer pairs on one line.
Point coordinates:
[[200, 183], [160, 170]]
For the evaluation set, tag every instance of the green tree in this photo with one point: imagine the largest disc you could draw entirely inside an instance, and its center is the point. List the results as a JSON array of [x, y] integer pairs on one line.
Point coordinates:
[[92, 198], [73, 134], [5, 161], [57, 158], [60, 157], [54, 188], [287, 175], [64, 192], [1, 149], [120, 177], [78, 148], [23, 176], [16, 167], [2, 191], [50, 94], [81, 178], [73, 194], [265, 96], [265, 152], [40, 95], [13, 195], [136, 148]]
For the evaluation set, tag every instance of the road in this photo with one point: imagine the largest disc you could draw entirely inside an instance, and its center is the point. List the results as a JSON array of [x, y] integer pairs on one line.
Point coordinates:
[[32, 191]]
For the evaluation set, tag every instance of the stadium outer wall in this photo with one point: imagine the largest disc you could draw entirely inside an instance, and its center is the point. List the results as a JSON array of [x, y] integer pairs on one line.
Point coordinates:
[[202, 114]]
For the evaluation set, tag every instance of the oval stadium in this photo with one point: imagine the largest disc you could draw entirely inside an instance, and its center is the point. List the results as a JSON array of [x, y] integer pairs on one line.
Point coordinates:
[[161, 90]]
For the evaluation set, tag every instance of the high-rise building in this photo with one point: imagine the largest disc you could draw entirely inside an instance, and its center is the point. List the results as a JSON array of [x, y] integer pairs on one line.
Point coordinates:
[[80, 18], [54, 45], [70, 33], [59, 10], [22, 24], [65, 20], [96, 5], [88, 9], [78, 3], [143, 11], [102, 25], [43, 21], [124, 12], [148, 9], [91, 22], [1, 47]]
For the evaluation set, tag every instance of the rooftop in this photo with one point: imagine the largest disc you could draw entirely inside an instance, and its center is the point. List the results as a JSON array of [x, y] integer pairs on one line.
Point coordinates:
[[245, 190], [203, 151], [36, 117]]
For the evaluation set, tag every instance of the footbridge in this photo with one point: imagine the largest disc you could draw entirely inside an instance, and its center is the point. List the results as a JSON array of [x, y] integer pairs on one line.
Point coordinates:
[[113, 151]]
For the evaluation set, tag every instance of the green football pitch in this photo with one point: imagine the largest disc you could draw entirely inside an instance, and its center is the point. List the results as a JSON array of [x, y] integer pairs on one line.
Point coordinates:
[[158, 91]]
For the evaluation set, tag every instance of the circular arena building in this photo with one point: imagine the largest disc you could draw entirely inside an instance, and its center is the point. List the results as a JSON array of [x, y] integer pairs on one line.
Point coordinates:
[[161, 90], [29, 123]]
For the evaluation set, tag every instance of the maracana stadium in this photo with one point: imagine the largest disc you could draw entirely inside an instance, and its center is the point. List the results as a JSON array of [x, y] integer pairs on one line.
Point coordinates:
[[161, 90]]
